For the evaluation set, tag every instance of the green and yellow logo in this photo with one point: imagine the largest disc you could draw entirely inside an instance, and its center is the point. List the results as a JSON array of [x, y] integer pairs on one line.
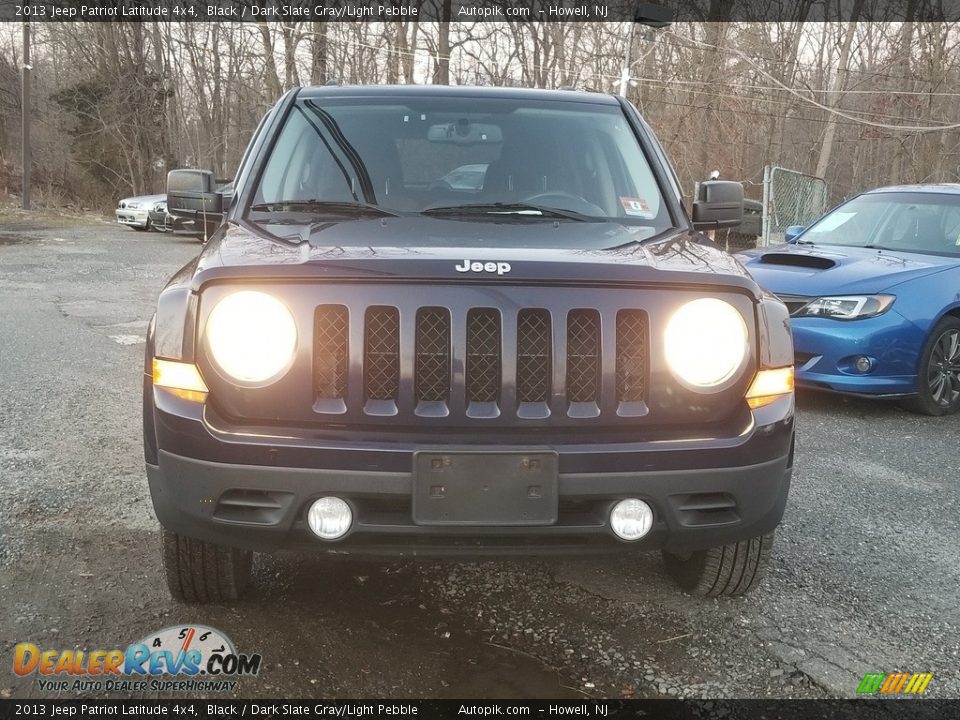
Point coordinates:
[[900, 683]]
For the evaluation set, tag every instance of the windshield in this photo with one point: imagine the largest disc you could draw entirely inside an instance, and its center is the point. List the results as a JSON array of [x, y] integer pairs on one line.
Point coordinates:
[[486, 159], [910, 222]]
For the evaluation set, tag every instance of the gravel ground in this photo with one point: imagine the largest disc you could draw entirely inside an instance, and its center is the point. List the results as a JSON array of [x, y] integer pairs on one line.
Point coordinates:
[[865, 575]]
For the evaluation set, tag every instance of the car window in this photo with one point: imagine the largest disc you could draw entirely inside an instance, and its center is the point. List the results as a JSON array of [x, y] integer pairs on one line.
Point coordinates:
[[435, 153], [911, 222]]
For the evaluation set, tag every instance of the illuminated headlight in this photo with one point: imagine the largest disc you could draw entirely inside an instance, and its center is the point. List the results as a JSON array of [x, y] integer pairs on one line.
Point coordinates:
[[706, 343], [252, 337], [847, 307]]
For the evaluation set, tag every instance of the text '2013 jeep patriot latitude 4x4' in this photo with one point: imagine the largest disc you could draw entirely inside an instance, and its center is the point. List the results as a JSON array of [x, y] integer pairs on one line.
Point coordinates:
[[380, 352]]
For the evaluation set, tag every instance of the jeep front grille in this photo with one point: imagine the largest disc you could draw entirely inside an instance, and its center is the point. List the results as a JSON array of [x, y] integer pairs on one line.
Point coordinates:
[[480, 362], [631, 355], [583, 356], [534, 365], [483, 355], [432, 352], [330, 352], [381, 351]]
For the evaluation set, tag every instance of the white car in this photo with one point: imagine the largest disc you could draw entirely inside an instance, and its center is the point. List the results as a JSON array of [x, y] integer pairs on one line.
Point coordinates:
[[135, 211], [466, 177]]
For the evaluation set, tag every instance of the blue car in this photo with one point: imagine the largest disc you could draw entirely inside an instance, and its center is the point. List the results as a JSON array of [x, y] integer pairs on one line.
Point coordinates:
[[873, 289]]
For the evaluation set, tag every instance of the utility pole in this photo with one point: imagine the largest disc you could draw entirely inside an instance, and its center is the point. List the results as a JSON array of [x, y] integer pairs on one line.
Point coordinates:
[[654, 16], [25, 116], [625, 71]]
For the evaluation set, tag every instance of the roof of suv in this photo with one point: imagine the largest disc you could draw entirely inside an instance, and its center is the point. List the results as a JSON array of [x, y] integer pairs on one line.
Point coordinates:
[[506, 93]]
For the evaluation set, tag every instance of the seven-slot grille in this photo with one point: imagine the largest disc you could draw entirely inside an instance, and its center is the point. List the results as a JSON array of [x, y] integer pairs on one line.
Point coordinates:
[[476, 345]]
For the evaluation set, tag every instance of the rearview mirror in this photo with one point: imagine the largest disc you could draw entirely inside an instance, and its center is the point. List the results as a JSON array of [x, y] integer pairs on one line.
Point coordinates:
[[719, 204], [192, 194], [791, 233], [464, 132]]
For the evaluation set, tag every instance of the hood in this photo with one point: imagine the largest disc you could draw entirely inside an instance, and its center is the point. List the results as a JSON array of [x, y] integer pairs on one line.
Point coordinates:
[[432, 249], [143, 199], [793, 269]]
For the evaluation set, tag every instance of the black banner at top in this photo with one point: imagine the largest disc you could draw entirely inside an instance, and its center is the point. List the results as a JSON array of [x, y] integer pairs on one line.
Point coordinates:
[[654, 13], [587, 709]]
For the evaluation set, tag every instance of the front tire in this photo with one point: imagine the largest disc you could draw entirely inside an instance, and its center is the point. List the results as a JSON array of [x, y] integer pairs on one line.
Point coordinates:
[[201, 572], [725, 571], [141, 229], [938, 382]]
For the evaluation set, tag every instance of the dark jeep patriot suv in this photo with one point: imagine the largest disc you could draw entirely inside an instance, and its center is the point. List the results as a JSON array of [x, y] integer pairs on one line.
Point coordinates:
[[464, 321]]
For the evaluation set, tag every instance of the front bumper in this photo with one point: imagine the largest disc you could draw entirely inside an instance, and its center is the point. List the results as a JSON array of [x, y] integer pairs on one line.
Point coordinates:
[[159, 220], [133, 217], [826, 350], [704, 491]]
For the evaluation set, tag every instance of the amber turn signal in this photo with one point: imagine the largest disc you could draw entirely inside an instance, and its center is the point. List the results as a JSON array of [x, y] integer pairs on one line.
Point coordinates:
[[769, 385], [182, 379]]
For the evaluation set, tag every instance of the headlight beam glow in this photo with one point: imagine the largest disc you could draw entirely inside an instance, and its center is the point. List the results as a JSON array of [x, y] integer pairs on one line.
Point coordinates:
[[706, 343], [252, 337]]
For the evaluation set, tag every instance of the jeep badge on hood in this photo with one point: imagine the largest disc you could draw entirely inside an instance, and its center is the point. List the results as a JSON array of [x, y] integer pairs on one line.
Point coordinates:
[[498, 267]]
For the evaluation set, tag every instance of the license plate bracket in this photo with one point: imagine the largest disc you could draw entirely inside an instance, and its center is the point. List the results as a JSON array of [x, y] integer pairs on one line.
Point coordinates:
[[497, 488]]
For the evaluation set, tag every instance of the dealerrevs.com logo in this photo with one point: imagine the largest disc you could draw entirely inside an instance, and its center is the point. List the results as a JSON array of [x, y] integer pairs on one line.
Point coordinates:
[[898, 683], [189, 658]]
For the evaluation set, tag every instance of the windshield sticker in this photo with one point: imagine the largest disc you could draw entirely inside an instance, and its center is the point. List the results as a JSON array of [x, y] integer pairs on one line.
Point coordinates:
[[636, 206]]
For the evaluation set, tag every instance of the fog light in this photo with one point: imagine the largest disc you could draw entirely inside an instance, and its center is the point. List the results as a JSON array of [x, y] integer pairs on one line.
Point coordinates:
[[863, 364], [330, 518], [631, 519]]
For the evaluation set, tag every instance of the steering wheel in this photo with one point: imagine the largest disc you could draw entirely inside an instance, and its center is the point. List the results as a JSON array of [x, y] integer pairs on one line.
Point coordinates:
[[565, 201]]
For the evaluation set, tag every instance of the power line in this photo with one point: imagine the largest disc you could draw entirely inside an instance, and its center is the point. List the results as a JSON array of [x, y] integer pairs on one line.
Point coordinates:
[[811, 101], [871, 73], [754, 98]]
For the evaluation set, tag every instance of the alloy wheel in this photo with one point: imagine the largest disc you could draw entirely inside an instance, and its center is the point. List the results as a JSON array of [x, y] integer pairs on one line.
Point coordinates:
[[943, 372]]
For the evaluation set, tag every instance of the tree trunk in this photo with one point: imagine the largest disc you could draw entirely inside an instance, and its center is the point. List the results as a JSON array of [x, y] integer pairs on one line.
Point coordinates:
[[271, 78], [441, 70], [837, 86], [318, 52]]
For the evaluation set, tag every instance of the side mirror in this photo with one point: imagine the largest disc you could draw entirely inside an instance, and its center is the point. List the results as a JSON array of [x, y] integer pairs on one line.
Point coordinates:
[[791, 233], [192, 194], [719, 204]]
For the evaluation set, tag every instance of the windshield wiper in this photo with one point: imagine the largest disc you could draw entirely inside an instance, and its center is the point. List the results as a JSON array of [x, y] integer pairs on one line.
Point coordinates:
[[331, 206], [522, 209]]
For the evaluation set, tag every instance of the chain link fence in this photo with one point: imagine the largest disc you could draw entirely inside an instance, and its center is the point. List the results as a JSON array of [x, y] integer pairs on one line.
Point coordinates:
[[789, 198]]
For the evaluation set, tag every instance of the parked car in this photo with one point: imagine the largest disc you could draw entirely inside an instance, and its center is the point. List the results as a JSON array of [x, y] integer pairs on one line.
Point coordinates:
[[195, 226], [745, 236], [752, 225], [560, 362], [159, 217], [135, 211], [466, 177], [873, 289]]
